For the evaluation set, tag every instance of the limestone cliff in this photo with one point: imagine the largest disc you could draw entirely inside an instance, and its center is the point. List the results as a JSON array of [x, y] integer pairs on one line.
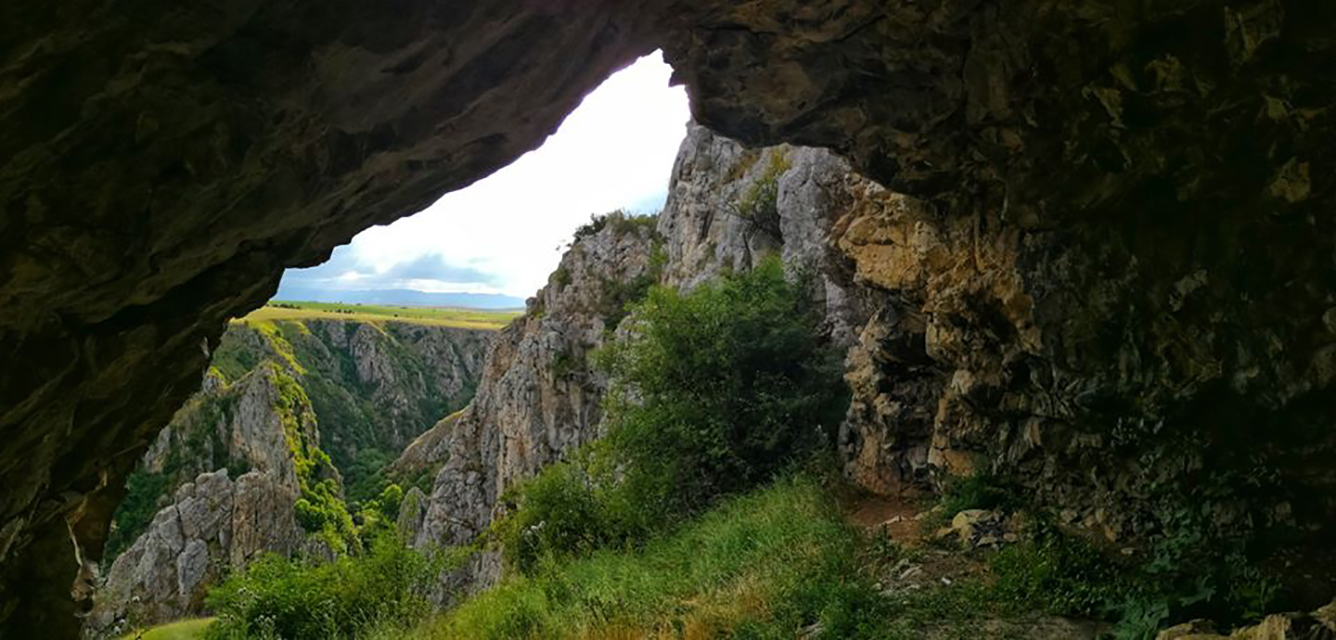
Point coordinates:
[[210, 523], [538, 396], [213, 525], [279, 396]]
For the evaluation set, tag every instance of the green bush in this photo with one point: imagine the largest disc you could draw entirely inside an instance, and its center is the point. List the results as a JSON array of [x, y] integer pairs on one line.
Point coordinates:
[[281, 598], [136, 511], [621, 222], [759, 205], [557, 515], [721, 388], [321, 511]]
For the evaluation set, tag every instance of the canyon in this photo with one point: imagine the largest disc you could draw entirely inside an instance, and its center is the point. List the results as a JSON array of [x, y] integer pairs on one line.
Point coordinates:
[[1081, 244], [286, 403]]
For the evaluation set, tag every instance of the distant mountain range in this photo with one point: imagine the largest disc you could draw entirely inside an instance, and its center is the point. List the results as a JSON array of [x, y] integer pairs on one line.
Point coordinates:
[[407, 297]]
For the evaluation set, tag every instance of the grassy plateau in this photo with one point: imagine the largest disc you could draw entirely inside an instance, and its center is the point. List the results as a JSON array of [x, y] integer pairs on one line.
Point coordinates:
[[436, 316]]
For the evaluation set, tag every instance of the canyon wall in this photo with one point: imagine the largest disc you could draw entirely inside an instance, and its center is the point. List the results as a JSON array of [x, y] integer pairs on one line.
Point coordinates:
[[286, 404]]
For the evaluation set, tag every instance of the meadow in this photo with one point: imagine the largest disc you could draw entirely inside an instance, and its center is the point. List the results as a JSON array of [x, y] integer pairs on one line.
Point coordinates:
[[279, 310]]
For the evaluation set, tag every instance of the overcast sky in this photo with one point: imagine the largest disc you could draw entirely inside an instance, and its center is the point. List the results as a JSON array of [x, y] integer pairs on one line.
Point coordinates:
[[503, 233]]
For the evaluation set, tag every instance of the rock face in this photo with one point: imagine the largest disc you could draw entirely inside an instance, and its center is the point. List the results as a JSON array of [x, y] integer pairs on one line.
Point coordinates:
[[374, 387], [1319, 625], [163, 164], [256, 426], [344, 387], [538, 397], [1132, 200], [214, 525]]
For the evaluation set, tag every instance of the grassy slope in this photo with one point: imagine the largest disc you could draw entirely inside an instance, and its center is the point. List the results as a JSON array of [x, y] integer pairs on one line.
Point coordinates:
[[766, 564], [462, 318], [182, 630]]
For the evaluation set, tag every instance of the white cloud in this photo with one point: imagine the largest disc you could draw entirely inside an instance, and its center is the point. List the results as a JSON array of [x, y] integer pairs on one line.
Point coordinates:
[[615, 151]]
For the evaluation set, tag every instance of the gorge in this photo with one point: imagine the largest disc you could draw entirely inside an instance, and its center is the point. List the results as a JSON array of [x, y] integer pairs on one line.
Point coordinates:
[[1083, 245]]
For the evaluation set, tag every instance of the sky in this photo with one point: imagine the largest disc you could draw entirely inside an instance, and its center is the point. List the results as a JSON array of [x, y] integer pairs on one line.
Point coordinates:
[[504, 234]]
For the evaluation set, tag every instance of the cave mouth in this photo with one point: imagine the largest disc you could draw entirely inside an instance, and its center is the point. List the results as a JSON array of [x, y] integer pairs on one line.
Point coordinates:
[[494, 242], [1151, 210], [431, 282]]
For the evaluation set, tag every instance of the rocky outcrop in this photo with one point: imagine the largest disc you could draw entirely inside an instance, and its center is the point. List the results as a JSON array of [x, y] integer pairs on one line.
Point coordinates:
[[1160, 173], [1319, 625], [296, 388], [374, 386], [538, 397], [214, 525]]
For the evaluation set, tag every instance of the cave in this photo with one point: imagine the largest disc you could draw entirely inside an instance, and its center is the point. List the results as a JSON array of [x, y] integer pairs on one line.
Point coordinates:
[[1135, 191]]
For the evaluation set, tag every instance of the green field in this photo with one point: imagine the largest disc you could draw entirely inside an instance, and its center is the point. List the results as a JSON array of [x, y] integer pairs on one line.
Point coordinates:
[[182, 630], [438, 316]]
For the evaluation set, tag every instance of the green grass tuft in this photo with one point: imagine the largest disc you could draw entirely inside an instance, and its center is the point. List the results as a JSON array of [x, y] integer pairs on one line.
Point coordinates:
[[766, 564]]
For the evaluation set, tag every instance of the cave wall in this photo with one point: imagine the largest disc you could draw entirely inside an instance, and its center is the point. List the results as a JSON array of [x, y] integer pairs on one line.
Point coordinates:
[[1140, 187], [164, 163], [1117, 277]]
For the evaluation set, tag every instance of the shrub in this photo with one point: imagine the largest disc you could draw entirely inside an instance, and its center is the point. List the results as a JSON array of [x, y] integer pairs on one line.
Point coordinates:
[[321, 511], [759, 205], [621, 222], [557, 515], [135, 513], [721, 388], [280, 598]]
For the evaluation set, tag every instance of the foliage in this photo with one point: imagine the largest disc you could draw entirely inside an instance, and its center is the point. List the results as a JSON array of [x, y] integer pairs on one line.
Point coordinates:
[[136, 511], [767, 564], [193, 629], [562, 276], [759, 205], [558, 515], [321, 511], [617, 297], [365, 476], [621, 221], [961, 493], [1062, 575], [721, 388], [295, 600]]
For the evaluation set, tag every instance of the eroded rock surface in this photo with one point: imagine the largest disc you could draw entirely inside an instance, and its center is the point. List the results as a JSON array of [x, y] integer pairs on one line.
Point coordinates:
[[539, 396], [277, 391], [213, 525]]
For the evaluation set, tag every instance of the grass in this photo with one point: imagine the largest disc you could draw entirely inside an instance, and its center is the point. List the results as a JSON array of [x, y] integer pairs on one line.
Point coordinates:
[[764, 565], [434, 316], [180, 630]]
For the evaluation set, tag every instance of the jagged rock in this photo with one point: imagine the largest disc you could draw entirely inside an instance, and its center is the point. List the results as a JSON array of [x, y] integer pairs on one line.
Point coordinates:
[[398, 370], [538, 397], [975, 528], [215, 524], [1320, 625]]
